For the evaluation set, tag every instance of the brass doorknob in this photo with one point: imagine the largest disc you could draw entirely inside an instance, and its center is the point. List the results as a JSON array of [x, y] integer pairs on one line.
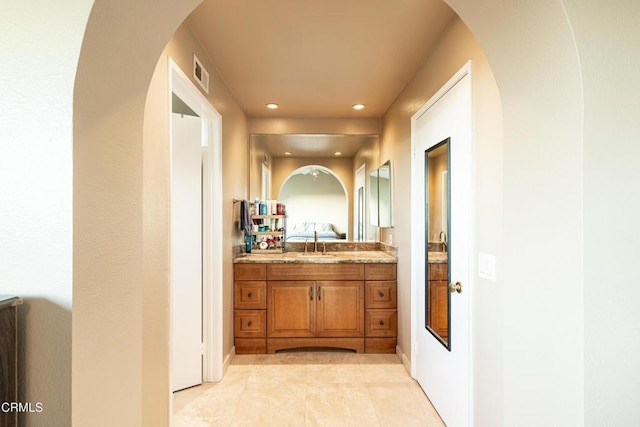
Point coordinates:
[[457, 287]]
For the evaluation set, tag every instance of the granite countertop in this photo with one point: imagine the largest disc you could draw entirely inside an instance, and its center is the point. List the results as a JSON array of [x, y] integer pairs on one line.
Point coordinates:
[[438, 257], [9, 301], [348, 257]]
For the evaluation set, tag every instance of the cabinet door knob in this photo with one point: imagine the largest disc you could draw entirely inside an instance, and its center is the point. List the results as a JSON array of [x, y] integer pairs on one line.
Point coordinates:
[[249, 323], [382, 323], [381, 294], [250, 294]]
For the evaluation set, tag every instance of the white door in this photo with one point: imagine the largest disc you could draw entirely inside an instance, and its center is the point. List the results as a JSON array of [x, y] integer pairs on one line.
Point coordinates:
[[441, 361], [186, 250]]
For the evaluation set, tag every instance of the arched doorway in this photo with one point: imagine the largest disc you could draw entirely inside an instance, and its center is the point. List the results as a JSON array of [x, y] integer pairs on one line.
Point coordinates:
[[315, 194], [118, 289]]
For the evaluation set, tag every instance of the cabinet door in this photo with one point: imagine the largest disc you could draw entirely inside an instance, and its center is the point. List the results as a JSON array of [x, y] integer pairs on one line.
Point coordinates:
[[291, 308], [438, 301], [340, 309]]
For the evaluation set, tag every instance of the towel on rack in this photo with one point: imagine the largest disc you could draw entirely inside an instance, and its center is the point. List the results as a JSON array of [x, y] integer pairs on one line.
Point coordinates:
[[245, 217]]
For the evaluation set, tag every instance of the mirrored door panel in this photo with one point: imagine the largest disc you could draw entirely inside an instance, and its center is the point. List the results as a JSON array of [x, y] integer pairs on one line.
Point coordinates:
[[437, 230]]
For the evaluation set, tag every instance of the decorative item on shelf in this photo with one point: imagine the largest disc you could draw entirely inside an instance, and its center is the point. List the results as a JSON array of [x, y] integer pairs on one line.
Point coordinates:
[[269, 230]]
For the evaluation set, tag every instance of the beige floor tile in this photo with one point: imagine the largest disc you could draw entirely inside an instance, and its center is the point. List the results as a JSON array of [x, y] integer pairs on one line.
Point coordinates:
[[339, 405], [332, 357], [378, 359], [243, 359], [402, 404], [285, 358], [385, 373], [277, 374], [334, 374], [272, 405], [308, 389]]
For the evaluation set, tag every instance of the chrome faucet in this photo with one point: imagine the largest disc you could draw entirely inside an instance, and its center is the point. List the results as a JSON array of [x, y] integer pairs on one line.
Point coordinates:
[[443, 240], [315, 241]]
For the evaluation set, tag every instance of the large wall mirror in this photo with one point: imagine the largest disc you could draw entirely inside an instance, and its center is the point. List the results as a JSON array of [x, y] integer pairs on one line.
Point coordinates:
[[322, 180], [438, 304]]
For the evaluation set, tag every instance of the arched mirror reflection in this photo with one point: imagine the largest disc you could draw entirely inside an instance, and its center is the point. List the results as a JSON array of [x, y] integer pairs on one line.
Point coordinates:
[[317, 204], [438, 230]]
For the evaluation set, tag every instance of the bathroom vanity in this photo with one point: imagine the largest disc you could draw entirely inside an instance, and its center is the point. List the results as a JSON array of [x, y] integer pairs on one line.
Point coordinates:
[[296, 300]]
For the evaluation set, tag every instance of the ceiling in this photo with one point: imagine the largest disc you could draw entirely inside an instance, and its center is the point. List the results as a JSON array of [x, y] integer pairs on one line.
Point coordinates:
[[313, 145], [318, 58]]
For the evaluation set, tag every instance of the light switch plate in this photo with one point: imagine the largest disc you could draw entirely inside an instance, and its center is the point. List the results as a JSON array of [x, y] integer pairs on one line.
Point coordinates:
[[487, 266]]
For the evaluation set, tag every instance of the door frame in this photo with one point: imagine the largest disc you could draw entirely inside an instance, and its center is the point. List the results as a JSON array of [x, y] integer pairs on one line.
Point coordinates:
[[360, 178], [212, 274], [417, 214]]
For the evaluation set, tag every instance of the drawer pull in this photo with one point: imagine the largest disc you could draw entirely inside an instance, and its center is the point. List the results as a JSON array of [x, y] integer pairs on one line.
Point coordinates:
[[249, 323], [382, 323], [381, 294], [250, 295]]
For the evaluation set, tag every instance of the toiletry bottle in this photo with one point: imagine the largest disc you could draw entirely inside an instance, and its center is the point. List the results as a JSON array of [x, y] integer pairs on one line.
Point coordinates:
[[247, 241]]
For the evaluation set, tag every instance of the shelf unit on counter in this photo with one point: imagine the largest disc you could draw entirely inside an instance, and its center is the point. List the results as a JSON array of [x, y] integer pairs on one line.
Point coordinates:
[[259, 234]]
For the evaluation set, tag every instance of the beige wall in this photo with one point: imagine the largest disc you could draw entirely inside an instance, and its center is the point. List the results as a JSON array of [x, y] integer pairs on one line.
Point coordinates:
[[455, 48], [124, 323]]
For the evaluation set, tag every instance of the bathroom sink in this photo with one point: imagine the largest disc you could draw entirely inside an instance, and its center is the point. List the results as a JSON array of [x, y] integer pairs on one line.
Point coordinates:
[[311, 254]]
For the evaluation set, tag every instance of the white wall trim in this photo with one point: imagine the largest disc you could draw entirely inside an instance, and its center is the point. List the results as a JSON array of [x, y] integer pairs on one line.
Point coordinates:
[[182, 86]]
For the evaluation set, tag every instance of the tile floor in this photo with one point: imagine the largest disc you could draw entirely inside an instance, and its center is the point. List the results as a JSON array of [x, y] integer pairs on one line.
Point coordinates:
[[308, 389]]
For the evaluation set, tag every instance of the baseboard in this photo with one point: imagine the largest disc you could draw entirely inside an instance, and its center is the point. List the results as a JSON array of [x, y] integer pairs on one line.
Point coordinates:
[[228, 359], [405, 360]]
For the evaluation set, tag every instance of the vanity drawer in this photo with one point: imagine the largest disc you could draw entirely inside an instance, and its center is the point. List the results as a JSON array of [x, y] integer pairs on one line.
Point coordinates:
[[249, 272], [311, 271], [381, 323], [250, 323], [438, 271], [250, 295], [380, 271], [381, 294]]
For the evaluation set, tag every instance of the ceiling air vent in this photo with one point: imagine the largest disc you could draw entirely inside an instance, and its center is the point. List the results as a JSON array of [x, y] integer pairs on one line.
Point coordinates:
[[200, 74]]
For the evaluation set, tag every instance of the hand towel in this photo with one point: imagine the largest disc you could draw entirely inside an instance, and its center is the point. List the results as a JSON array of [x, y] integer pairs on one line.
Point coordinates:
[[245, 217]]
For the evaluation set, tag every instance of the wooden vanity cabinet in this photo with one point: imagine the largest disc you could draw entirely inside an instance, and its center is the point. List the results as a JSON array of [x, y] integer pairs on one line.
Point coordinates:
[[381, 308], [250, 308], [315, 309], [316, 305], [438, 300]]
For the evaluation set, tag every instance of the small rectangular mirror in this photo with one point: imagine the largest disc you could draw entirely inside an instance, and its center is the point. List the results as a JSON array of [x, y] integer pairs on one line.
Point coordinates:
[[380, 184], [384, 195]]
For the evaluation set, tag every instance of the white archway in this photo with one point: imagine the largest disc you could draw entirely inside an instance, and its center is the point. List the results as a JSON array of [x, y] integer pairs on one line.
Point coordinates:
[[119, 298]]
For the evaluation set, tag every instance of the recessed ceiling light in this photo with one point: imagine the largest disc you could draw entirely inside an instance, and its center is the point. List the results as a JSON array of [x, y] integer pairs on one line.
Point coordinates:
[[358, 106], [338, 153], [287, 153], [272, 106]]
